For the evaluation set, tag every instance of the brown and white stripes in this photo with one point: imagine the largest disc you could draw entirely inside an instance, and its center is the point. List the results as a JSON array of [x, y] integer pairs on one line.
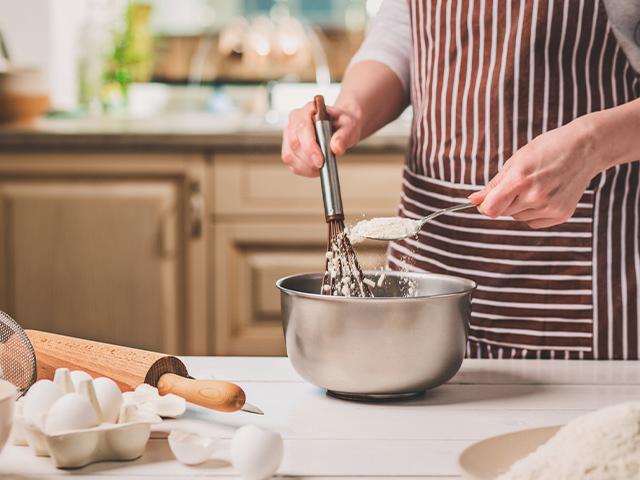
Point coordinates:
[[487, 76]]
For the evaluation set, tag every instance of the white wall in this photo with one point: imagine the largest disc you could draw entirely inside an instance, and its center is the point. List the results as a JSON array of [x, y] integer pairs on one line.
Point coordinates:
[[44, 33]]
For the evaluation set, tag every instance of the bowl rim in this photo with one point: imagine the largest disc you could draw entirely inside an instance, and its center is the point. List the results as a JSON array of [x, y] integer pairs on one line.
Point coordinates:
[[471, 287]]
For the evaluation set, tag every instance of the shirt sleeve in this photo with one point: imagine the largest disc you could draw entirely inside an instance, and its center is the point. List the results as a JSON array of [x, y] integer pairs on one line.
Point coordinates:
[[389, 40]]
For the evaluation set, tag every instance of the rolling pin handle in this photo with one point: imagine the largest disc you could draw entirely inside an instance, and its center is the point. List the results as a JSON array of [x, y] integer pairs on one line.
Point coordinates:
[[214, 394]]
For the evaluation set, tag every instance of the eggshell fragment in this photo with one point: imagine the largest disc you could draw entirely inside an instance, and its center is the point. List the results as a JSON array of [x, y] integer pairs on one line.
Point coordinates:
[[39, 399], [70, 412], [145, 392], [109, 398], [147, 398], [191, 448], [256, 453]]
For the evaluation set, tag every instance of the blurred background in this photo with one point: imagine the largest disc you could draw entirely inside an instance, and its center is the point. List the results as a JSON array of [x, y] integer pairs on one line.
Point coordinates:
[[101, 56], [142, 199]]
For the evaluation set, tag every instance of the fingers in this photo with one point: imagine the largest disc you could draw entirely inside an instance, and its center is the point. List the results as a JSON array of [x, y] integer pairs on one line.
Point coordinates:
[[477, 198], [297, 165], [307, 146], [300, 151], [544, 223], [500, 197], [527, 215], [345, 134]]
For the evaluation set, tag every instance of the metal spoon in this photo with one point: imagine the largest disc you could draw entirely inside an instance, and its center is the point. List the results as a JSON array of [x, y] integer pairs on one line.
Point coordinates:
[[419, 223]]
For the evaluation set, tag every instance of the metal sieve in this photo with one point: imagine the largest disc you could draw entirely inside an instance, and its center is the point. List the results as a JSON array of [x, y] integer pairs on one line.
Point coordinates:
[[17, 357]]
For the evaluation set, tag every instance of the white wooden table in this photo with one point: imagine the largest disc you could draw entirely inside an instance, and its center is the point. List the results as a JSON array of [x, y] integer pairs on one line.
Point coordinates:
[[326, 437]]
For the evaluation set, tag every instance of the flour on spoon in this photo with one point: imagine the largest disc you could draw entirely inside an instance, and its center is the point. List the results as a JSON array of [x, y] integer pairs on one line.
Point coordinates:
[[384, 228]]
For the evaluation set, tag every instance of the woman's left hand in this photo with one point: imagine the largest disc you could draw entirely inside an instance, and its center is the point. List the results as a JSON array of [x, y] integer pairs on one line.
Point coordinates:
[[542, 183]]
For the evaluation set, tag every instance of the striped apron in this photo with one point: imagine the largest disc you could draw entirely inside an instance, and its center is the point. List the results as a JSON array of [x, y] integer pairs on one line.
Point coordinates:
[[487, 76]]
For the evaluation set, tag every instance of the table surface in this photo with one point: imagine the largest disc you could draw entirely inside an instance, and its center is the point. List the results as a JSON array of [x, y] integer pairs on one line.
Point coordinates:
[[326, 437]]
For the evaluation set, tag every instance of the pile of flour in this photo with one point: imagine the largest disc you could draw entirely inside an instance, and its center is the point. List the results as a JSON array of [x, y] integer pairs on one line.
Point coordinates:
[[603, 445], [384, 228]]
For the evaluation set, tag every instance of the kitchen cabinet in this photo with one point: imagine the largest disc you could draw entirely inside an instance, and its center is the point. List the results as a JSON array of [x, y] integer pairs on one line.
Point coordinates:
[[177, 252], [103, 249], [268, 224]]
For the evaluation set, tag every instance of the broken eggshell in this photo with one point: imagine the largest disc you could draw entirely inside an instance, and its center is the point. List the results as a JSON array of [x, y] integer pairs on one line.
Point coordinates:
[[191, 448], [147, 398]]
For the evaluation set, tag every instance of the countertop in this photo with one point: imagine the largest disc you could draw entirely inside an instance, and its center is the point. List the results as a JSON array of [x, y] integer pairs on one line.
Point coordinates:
[[192, 131], [326, 437]]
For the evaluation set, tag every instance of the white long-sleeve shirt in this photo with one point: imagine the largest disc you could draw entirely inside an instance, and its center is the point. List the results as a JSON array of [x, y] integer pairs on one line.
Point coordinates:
[[389, 39]]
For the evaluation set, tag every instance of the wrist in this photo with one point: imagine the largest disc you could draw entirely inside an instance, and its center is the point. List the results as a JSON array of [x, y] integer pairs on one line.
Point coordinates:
[[593, 141], [611, 136], [350, 105]]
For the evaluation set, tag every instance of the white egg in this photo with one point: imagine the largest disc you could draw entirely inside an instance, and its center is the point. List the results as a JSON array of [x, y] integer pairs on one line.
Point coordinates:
[[256, 453], [109, 398], [191, 448], [77, 376], [70, 412], [39, 399]]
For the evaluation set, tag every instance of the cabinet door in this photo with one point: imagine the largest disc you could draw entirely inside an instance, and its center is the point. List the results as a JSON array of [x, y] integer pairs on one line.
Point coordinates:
[[93, 258], [246, 185], [249, 258]]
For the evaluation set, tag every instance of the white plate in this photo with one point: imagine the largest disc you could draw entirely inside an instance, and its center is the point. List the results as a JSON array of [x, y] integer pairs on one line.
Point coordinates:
[[487, 459]]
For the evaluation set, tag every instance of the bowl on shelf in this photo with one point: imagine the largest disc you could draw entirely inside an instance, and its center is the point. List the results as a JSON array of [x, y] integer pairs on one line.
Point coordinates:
[[384, 347], [23, 95]]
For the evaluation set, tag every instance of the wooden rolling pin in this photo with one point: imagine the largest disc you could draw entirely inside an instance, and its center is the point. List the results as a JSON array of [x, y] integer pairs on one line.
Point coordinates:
[[129, 367]]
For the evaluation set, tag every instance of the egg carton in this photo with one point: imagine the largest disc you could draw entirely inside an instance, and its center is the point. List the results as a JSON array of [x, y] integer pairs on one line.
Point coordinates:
[[122, 434], [78, 448]]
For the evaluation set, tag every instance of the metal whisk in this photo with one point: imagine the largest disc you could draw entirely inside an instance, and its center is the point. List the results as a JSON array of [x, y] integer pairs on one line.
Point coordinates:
[[343, 275], [17, 356]]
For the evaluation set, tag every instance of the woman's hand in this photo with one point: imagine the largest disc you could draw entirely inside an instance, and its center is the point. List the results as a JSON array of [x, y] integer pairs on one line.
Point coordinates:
[[300, 151], [542, 183]]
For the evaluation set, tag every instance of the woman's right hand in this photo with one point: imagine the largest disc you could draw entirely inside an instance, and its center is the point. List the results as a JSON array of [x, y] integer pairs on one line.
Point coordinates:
[[300, 151]]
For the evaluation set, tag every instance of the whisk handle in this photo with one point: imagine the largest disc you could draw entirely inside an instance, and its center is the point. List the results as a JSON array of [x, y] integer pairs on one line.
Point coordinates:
[[329, 180]]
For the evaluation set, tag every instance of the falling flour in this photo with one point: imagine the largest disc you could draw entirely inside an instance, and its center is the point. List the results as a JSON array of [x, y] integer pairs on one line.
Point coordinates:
[[343, 271], [384, 228], [603, 445]]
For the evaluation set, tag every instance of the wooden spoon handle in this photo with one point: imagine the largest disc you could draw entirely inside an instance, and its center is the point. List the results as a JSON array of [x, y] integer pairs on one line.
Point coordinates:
[[214, 394]]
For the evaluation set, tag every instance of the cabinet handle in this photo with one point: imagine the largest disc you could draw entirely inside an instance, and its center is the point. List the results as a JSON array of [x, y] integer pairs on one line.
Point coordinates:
[[196, 209]]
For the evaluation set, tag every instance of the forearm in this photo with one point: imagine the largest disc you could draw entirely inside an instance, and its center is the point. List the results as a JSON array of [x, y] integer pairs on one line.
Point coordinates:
[[373, 93], [615, 134]]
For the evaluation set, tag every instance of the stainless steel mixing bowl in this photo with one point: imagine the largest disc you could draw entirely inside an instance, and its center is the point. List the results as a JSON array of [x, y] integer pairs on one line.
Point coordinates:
[[382, 347]]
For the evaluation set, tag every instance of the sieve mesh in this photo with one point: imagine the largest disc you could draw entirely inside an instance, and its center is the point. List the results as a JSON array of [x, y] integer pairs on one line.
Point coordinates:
[[17, 357]]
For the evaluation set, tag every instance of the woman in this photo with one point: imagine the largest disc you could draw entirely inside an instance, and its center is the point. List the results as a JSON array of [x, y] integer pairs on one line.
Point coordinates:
[[529, 109]]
